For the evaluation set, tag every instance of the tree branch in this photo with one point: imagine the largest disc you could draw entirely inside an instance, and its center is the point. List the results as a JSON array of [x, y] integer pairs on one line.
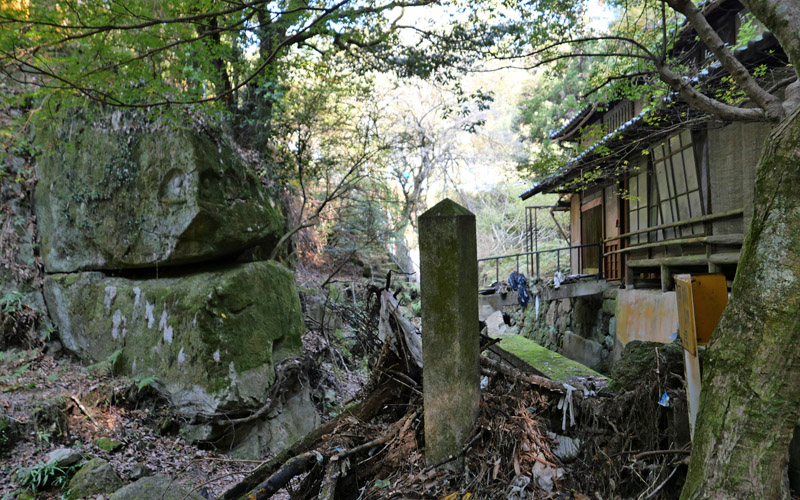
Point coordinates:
[[705, 103], [768, 102]]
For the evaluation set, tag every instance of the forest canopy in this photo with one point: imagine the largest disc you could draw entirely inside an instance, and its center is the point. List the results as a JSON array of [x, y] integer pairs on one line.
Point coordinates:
[[151, 53]]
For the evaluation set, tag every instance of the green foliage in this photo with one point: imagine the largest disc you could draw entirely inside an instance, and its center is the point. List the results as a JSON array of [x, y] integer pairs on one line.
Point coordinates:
[[17, 372], [749, 29], [11, 302], [108, 366], [44, 476], [189, 51], [500, 221], [144, 382]]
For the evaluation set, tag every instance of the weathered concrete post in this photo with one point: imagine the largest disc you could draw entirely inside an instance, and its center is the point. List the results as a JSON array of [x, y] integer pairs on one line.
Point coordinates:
[[450, 340]]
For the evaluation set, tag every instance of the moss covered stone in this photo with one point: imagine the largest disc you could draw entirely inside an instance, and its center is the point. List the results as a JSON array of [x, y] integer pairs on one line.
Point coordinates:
[[639, 358], [95, 477], [207, 340], [551, 364], [115, 198], [155, 487], [108, 444]]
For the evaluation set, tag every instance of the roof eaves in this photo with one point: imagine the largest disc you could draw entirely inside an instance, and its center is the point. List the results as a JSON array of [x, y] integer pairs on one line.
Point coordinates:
[[580, 115]]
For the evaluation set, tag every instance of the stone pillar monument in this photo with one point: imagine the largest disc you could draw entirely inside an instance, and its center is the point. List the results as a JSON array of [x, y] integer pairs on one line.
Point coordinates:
[[450, 338]]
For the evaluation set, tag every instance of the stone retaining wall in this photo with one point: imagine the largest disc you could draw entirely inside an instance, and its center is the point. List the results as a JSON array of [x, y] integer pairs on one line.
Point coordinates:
[[580, 328]]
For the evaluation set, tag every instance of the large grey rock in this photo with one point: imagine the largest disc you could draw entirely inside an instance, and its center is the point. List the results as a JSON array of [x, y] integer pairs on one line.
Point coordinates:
[[20, 274], [95, 477], [495, 325], [112, 196], [63, 457], [289, 423], [155, 487], [210, 340]]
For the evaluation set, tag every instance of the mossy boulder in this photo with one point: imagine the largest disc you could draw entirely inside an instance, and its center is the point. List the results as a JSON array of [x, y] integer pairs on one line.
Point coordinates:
[[639, 358], [115, 196], [206, 340], [160, 487], [95, 477]]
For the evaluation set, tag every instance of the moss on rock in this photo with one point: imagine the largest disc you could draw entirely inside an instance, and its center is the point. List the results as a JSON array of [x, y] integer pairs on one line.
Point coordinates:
[[108, 445], [115, 197], [160, 487], [639, 357], [94, 478], [206, 340], [551, 364]]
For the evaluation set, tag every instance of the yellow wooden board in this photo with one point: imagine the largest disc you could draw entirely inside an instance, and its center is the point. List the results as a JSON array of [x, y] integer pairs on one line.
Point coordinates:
[[710, 295], [701, 300], [686, 327]]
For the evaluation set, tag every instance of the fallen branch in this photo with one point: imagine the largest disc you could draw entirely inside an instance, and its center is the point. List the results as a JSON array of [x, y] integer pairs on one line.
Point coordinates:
[[358, 449], [536, 380], [661, 452], [333, 473], [84, 410], [364, 410], [298, 465], [450, 458]]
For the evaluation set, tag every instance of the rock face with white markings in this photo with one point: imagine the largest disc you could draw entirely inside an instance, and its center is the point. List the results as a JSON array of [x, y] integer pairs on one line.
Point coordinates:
[[145, 234], [209, 340]]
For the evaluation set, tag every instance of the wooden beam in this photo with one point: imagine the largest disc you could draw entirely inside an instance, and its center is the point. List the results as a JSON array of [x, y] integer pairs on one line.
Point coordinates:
[[704, 218], [723, 239], [724, 258], [685, 260]]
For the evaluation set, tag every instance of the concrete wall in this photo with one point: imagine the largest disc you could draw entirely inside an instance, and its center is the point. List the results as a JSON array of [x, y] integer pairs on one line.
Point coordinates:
[[733, 154], [646, 315]]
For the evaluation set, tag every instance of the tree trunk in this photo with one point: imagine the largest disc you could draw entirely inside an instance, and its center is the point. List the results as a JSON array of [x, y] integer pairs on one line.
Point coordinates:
[[751, 387]]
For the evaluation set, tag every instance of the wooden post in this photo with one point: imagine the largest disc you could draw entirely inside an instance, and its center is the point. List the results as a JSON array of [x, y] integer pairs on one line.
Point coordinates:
[[691, 364], [450, 337]]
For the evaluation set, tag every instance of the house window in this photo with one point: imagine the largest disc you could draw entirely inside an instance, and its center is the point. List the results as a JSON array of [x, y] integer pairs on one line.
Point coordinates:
[[637, 204], [677, 190]]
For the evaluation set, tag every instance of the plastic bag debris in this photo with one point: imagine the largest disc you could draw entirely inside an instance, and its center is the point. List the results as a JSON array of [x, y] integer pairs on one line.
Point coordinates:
[[664, 401], [558, 278]]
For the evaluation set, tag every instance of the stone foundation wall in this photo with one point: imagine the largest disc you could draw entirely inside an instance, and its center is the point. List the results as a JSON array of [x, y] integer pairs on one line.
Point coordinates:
[[580, 328]]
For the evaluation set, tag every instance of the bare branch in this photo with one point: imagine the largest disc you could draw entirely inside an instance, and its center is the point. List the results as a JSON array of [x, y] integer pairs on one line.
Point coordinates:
[[610, 79]]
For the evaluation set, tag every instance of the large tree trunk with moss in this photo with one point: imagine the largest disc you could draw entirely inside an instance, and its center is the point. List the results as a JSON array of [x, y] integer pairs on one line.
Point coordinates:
[[751, 388]]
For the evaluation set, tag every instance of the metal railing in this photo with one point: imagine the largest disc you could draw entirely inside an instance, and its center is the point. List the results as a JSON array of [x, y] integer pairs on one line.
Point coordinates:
[[533, 260]]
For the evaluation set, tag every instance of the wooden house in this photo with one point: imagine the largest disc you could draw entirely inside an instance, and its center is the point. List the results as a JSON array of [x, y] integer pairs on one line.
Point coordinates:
[[661, 190]]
